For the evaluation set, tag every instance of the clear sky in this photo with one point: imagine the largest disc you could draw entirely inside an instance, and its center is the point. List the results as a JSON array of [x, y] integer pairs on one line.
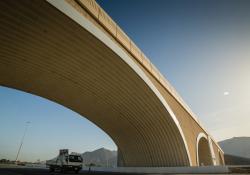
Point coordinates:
[[202, 48]]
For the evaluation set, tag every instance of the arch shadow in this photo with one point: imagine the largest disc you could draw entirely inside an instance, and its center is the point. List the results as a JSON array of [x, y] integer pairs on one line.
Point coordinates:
[[204, 156]]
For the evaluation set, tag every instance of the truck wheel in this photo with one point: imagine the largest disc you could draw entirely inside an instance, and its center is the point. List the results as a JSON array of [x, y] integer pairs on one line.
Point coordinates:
[[62, 170], [51, 169], [77, 170]]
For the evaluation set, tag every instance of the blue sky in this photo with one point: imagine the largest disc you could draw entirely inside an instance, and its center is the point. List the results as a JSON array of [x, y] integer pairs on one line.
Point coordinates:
[[202, 48], [52, 127]]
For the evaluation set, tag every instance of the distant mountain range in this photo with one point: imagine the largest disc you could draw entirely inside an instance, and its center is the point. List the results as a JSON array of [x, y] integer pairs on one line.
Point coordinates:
[[236, 149], [237, 146], [236, 160], [101, 157]]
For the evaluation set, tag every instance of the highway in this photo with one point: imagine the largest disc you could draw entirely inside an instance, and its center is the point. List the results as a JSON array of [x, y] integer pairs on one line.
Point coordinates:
[[40, 171], [37, 169], [45, 171]]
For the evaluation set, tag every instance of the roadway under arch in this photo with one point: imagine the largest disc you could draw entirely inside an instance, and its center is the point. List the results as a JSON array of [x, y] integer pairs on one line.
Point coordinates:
[[44, 52]]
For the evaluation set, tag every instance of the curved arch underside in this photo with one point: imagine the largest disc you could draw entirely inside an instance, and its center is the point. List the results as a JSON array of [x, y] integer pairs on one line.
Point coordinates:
[[43, 52], [221, 162], [204, 153]]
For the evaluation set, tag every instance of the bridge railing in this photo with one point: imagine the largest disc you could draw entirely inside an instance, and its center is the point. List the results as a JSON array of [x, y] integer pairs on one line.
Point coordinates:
[[106, 21]]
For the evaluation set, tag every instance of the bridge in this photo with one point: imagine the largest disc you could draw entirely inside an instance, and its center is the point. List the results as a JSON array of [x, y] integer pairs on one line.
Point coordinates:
[[71, 52]]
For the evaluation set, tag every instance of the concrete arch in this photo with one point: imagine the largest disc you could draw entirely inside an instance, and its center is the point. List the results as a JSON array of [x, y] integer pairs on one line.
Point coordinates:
[[56, 58], [204, 155], [221, 159]]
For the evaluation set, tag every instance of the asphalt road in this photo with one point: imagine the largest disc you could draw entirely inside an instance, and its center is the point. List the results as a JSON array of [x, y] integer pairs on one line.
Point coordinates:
[[45, 171], [42, 171]]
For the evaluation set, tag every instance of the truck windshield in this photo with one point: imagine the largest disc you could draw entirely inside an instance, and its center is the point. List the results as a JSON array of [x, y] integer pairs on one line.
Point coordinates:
[[75, 158]]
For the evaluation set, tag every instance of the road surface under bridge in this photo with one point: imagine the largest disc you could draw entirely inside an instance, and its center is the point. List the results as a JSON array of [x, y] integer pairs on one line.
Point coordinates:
[[71, 52]]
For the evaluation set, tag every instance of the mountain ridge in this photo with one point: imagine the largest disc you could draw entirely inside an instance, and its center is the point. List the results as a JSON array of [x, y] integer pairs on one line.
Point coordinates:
[[100, 157], [236, 149], [236, 146]]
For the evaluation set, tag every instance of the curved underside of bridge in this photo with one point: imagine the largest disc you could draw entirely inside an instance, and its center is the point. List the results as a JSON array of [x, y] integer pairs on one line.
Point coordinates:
[[60, 51], [43, 52]]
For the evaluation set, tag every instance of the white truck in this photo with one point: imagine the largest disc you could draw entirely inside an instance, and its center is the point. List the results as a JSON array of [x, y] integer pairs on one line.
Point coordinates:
[[65, 162]]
